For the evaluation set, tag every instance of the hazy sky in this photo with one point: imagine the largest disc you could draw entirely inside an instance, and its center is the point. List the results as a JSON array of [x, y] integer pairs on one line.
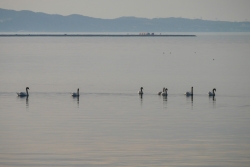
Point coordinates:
[[227, 10]]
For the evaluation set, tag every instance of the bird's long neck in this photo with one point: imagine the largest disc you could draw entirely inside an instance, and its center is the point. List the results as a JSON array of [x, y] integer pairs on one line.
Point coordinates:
[[78, 91], [27, 92], [192, 90]]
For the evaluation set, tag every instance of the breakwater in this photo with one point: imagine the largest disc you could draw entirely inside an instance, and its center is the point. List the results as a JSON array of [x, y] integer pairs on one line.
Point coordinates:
[[90, 35]]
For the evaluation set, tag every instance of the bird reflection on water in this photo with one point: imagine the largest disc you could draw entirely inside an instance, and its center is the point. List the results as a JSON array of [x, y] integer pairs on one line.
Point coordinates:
[[141, 98], [190, 98], [26, 98], [165, 98], [76, 98], [212, 97], [213, 100]]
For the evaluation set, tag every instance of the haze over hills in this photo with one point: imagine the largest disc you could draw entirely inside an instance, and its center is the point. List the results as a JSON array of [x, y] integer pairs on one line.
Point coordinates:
[[28, 21]]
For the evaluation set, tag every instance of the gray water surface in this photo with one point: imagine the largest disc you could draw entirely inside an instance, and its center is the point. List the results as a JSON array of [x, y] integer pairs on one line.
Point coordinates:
[[110, 124]]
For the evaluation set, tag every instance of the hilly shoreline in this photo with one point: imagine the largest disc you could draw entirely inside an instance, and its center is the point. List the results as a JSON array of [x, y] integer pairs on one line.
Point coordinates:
[[28, 21]]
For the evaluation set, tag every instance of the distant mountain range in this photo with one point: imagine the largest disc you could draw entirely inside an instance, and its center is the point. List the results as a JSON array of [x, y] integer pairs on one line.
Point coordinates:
[[28, 21]]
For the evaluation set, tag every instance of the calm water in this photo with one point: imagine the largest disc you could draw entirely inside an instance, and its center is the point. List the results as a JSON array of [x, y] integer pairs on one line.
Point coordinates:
[[110, 124]]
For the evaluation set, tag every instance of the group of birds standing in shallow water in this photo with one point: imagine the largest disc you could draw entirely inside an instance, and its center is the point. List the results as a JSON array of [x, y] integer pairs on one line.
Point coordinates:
[[164, 92]]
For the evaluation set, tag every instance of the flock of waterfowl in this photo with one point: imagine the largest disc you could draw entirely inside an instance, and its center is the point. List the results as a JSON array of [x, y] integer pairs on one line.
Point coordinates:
[[164, 92]]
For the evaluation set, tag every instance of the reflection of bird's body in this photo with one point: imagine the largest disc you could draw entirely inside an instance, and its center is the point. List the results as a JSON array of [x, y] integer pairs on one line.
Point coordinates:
[[22, 94], [76, 94], [189, 93], [140, 92], [165, 92], [212, 93]]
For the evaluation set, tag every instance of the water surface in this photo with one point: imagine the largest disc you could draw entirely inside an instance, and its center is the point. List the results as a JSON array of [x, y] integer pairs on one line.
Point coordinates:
[[110, 124]]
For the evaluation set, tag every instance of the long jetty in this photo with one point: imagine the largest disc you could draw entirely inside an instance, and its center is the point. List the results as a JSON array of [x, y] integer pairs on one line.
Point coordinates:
[[91, 35]]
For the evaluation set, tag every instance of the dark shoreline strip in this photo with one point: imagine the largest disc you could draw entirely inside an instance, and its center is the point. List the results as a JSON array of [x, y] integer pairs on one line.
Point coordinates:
[[88, 35]]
